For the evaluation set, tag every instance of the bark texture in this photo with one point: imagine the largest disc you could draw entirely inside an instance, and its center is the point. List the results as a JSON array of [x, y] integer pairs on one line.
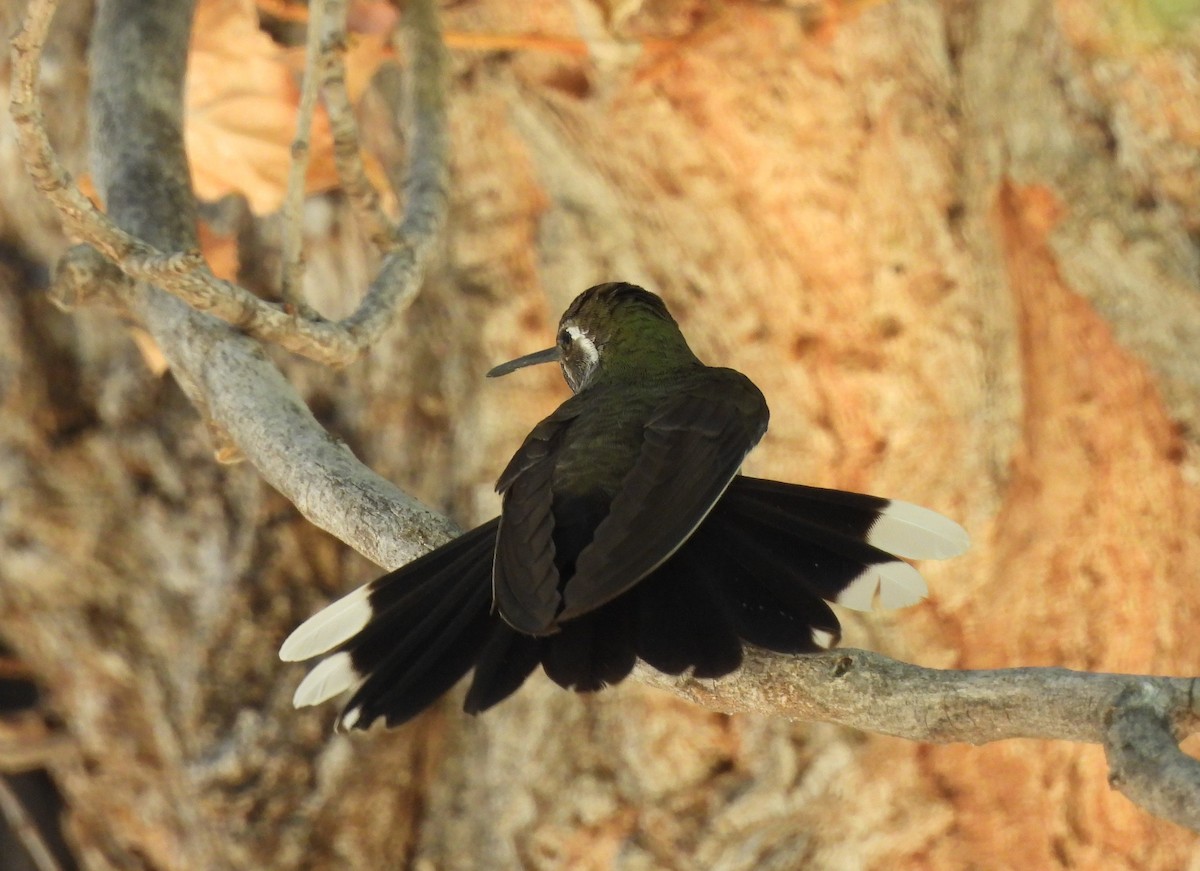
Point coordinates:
[[956, 244]]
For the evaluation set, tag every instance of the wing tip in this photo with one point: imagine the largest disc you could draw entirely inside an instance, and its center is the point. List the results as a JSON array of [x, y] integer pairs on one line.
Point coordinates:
[[527, 617]]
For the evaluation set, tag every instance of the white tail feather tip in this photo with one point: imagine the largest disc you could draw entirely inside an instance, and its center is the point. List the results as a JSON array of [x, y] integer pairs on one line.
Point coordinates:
[[860, 593], [823, 639], [900, 585], [329, 627], [897, 583], [910, 531], [350, 719], [331, 677]]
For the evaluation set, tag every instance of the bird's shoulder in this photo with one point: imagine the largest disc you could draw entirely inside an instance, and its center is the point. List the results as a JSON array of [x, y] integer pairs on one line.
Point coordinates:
[[726, 393], [612, 415], [541, 442]]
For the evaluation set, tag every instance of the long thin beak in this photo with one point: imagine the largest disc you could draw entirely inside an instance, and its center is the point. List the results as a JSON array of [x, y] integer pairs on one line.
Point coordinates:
[[550, 355]]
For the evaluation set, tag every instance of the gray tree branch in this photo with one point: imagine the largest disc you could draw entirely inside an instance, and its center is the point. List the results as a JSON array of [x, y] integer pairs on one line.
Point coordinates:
[[1139, 720], [1144, 759]]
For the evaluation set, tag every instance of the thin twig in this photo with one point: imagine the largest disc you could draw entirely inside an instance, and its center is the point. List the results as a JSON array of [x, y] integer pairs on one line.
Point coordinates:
[[12, 668], [291, 273], [40, 159], [183, 273], [16, 758], [28, 743], [347, 149], [26, 829], [426, 190]]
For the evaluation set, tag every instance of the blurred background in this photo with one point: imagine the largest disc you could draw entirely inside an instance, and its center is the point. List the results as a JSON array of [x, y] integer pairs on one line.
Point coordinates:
[[957, 245]]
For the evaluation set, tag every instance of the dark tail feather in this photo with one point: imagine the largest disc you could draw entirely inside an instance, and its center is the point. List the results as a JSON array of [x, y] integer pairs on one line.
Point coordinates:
[[399, 690], [818, 541], [595, 650], [788, 565], [894, 527], [413, 602], [616, 645], [427, 622], [435, 567], [426, 640], [847, 514], [683, 620], [766, 621], [770, 608], [794, 539], [504, 662]]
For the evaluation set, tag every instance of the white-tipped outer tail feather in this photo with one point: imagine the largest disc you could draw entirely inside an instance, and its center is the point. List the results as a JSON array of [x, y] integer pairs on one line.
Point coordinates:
[[898, 585], [823, 639], [329, 678], [913, 532], [329, 627], [350, 719]]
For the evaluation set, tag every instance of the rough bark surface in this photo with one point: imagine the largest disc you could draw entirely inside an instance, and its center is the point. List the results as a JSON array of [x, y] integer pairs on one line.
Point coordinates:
[[958, 247]]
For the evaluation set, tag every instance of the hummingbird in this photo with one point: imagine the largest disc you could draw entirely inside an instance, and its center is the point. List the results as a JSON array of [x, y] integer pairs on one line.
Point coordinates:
[[626, 532]]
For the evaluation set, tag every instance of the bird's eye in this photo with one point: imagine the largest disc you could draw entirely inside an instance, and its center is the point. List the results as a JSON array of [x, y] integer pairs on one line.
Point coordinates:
[[564, 338]]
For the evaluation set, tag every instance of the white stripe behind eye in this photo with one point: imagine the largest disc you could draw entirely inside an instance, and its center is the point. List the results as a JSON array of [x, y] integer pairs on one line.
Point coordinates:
[[579, 372], [585, 342]]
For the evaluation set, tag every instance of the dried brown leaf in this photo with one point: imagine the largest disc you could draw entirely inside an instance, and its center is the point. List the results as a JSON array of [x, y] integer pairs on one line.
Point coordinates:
[[242, 104]]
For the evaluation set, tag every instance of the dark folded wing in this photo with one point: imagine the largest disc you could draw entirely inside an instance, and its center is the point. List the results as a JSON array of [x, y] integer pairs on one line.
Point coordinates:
[[525, 578], [692, 448]]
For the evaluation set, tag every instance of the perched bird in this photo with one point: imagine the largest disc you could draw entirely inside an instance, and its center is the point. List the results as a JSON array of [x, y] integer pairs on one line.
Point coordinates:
[[625, 532]]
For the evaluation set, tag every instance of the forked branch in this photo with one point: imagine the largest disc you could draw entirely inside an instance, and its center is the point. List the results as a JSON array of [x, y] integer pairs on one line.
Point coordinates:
[[183, 272], [141, 172]]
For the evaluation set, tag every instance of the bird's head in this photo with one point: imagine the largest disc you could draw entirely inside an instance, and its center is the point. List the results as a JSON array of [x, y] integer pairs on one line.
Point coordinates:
[[614, 330]]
